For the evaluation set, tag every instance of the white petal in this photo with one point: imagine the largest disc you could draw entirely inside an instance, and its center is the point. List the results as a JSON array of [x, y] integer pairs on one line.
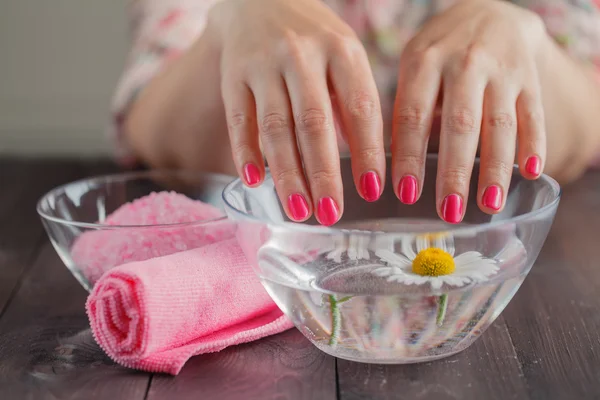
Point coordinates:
[[479, 265], [352, 253], [467, 258], [353, 246], [450, 245], [363, 254], [407, 249], [363, 248], [479, 270], [393, 258], [440, 243], [456, 280], [436, 282], [407, 280], [383, 271], [422, 243], [335, 255], [415, 279], [422, 279], [388, 271]]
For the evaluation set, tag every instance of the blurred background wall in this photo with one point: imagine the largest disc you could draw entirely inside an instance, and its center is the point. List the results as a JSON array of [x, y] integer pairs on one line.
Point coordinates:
[[59, 64]]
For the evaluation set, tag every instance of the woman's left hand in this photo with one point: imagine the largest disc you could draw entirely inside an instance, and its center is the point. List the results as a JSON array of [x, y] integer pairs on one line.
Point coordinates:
[[483, 55]]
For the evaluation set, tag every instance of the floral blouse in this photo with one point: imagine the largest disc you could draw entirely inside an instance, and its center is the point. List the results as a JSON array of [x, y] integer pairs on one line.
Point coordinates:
[[163, 29]]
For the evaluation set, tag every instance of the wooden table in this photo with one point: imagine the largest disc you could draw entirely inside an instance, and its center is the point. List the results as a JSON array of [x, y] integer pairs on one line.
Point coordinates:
[[545, 345]]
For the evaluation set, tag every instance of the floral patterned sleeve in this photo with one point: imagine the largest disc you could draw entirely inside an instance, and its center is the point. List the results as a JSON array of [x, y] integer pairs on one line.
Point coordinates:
[[160, 31], [574, 24]]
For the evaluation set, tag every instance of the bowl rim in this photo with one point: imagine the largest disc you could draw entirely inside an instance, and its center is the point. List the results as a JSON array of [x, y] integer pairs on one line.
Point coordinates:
[[457, 229], [128, 176]]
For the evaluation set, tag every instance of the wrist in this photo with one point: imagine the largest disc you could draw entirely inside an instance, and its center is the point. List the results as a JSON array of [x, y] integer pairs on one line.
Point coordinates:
[[220, 18]]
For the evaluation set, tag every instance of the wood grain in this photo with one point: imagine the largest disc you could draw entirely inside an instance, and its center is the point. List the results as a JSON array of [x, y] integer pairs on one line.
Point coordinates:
[[554, 321], [22, 183], [285, 366], [46, 348], [489, 369]]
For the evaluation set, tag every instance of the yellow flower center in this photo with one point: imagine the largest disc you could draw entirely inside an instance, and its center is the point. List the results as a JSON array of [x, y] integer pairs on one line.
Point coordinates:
[[433, 262]]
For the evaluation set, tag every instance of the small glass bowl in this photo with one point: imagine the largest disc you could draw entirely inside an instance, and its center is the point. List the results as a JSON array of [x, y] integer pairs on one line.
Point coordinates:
[[74, 214], [352, 289]]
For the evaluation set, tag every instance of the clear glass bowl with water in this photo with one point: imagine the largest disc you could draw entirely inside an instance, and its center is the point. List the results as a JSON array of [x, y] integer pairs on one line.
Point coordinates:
[[355, 290], [75, 218]]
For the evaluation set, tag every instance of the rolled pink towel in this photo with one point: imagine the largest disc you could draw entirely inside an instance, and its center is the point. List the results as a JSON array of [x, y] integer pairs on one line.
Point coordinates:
[[154, 315]]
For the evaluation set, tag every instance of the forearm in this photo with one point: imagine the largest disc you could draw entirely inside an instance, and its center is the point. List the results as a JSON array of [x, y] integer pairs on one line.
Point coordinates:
[[178, 119], [571, 98]]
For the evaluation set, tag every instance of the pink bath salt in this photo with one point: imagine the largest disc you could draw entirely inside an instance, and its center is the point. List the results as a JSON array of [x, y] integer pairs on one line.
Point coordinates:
[[95, 252], [162, 208]]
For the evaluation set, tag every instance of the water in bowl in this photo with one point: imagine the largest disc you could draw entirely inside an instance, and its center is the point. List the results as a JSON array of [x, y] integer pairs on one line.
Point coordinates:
[[348, 311]]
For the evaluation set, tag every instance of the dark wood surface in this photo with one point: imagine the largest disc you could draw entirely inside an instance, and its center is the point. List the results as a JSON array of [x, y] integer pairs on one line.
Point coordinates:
[[545, 345]]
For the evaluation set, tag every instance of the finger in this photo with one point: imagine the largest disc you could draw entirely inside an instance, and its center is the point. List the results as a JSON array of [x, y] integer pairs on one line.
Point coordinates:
[[360, 109], [498, 140], [531, 133], [240, 113], [418, 88], [313, 119], [459, 137], [276, 130]]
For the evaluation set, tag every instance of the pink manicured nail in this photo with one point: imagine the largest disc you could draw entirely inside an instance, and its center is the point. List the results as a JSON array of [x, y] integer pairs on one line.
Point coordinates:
[[298, 206], [492, 197], [452, 208], [407, 189], [328, 211], [370, 186], [533, 165], [251, 174]]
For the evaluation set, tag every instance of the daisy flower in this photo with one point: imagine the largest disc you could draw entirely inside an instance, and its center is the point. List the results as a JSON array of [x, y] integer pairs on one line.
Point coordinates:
[[435, 263]]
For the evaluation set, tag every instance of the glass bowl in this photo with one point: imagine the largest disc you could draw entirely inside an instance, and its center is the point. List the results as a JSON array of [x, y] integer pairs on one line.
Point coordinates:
[[75, 218], [355, 289]]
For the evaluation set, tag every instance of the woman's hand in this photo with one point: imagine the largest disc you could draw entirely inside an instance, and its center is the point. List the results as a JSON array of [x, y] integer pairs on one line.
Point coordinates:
[[281, 62], [484, 56]]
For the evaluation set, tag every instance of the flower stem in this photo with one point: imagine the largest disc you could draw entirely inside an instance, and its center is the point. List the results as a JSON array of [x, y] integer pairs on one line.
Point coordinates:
[[441, 311], [335, 320]]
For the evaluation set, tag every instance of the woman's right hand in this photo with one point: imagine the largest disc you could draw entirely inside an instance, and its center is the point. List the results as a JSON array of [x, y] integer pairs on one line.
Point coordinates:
[[282, 61]]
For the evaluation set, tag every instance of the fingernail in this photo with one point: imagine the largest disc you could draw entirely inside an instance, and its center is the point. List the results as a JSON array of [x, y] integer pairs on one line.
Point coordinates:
[[407, 189], [492, 197], [533, 165], [370, 186], [327, 211], [251, 174], [452, 208], [298, 206]]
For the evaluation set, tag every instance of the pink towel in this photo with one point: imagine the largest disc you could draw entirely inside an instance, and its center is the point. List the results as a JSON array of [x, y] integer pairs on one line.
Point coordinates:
[[154, 315]]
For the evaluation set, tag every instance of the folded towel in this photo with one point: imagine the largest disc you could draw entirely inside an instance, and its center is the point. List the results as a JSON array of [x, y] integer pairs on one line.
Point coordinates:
[[154, 315]]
